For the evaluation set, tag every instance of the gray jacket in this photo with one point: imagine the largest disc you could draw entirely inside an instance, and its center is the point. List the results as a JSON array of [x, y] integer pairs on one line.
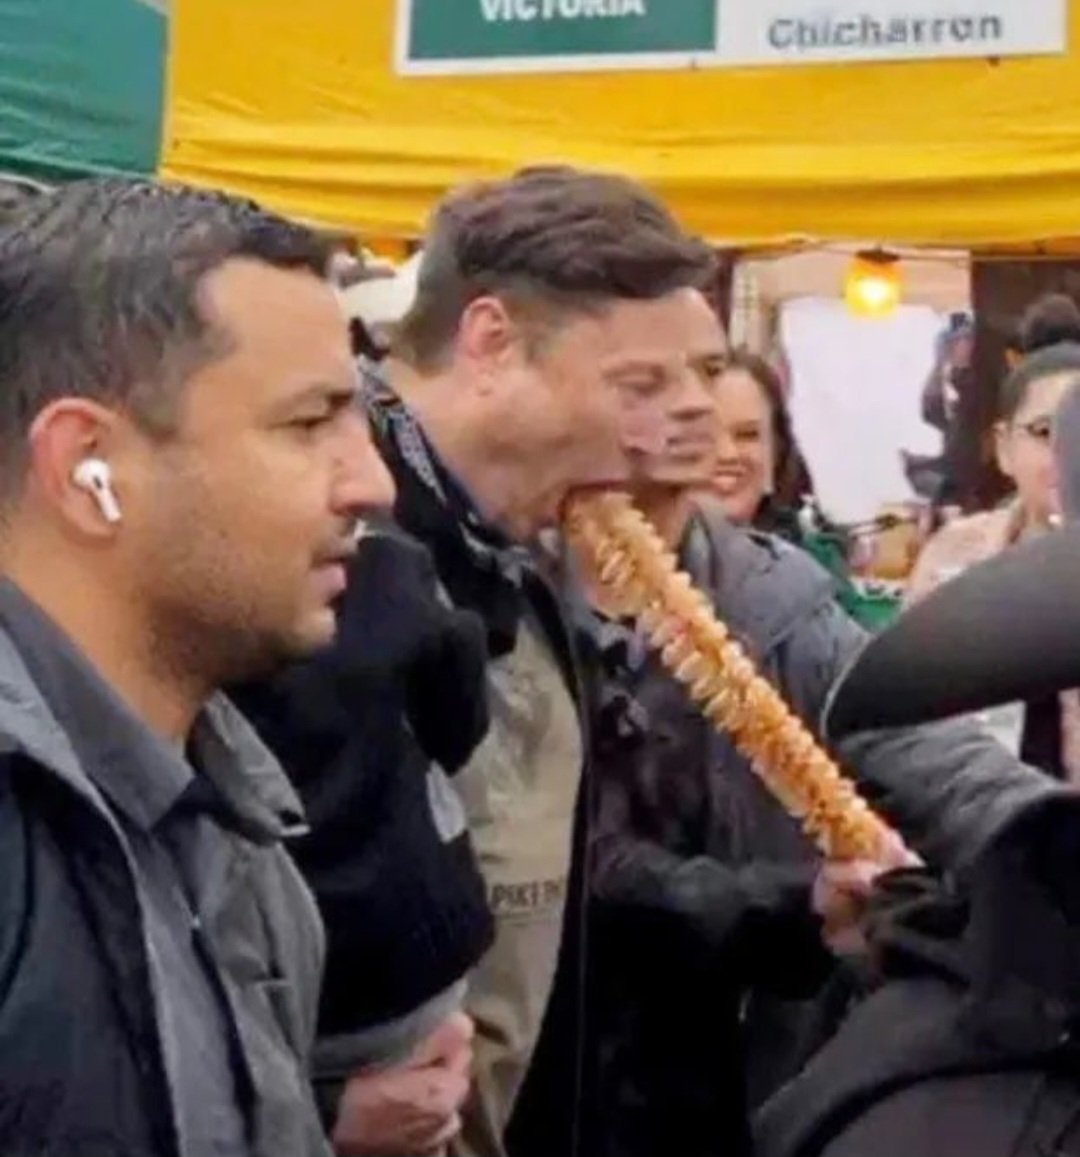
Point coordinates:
[[947, 787], [82, 1068], [703, 883]]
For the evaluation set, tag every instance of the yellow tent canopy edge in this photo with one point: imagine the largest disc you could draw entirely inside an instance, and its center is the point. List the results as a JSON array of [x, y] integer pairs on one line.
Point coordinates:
[[300, 106]]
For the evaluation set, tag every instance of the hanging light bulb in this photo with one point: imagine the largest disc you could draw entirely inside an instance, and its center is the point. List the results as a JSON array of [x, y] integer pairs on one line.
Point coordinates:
[[872, 286]]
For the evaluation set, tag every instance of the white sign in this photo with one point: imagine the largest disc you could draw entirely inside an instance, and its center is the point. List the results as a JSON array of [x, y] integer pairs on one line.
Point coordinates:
[[835, 31], [472, 36]]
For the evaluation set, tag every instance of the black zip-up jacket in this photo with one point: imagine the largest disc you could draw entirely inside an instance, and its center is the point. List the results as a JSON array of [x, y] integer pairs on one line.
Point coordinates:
[[366, 730]]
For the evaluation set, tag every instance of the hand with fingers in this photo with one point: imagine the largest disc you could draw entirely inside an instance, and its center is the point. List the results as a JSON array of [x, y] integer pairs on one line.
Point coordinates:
[[412, 1109], [842, 892]]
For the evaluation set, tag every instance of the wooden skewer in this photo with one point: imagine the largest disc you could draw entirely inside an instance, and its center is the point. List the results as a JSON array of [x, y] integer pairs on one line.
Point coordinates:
[[635, 568]]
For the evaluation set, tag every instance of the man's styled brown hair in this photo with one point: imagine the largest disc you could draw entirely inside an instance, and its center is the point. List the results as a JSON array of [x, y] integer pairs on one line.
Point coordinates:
[[549, 243]]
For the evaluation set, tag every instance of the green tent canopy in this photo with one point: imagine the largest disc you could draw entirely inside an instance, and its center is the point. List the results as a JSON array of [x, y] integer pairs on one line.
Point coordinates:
[[81, 86]]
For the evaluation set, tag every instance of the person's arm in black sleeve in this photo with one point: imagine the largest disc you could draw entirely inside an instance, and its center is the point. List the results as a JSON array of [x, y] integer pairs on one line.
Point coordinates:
[[394, 623], [933, 407], [947, 788], [15, 886], [759, 917], [753, 916]]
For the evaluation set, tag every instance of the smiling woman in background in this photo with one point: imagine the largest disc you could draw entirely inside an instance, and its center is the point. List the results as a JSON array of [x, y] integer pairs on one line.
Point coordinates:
[[761, 475], [762, 480]]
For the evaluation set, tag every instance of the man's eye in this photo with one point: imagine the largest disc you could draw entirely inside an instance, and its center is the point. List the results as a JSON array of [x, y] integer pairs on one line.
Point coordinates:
[[713, 370], [642, 387], [311, 423]]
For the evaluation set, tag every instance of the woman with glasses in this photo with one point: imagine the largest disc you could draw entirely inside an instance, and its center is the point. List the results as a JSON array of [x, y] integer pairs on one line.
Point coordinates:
[[1044, 733], [1027, 402]]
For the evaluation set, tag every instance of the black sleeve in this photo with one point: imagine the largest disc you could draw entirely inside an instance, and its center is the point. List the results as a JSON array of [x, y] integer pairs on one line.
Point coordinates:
[[394, 622], [14, 880], [758, 917], [401, 657], [650, 758]]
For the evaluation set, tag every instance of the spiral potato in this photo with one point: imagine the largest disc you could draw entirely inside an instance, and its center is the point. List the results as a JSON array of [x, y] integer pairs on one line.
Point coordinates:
[[639, 573]]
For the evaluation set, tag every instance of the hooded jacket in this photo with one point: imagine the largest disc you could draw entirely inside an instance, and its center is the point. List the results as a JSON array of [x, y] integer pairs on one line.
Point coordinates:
[[969, 1043], [82, 1052]]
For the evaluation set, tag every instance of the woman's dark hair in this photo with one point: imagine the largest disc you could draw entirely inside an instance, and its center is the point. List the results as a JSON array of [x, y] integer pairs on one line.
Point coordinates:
[[1050, 320], [1063, 358], [792, 481]]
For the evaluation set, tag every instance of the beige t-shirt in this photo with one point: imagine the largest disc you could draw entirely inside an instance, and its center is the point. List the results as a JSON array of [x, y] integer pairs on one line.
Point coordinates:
[[520, 792]]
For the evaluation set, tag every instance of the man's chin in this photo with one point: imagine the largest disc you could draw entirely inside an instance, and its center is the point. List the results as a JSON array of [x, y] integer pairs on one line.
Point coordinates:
[[317, 631], [579, 492], [677, 479], [320, 631], [252, 656]]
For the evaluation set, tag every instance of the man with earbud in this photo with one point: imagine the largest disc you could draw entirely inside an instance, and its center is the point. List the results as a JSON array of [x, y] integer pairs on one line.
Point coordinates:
[[95, 477], [183, 473]]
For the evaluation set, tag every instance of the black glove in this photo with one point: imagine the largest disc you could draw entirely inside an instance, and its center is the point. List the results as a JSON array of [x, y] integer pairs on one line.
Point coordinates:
[[446, 690], [394, 626]]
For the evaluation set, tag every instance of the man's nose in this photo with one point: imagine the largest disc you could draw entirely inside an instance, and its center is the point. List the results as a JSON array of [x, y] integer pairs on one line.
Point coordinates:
[[692, 396], [364, 482], [644, 427]]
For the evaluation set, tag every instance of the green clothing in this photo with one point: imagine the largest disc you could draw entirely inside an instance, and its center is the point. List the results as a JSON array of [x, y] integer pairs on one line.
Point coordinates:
[[872, 605]]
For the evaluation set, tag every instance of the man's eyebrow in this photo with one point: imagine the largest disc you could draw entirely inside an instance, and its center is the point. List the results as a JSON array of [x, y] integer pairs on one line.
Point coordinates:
[[631, 365], [335, 395], [642, 363], [334, 392], [710, 354]]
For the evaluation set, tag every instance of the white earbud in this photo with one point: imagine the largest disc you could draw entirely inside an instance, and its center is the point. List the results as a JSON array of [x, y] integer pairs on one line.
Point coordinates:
[[94, 476]]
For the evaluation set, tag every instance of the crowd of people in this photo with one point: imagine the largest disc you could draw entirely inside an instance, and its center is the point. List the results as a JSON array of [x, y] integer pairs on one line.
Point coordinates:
[[342, 811]]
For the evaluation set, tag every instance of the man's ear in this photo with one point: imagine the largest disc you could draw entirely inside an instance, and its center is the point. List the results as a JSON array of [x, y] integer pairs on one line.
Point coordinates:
[[63, 435], [488, 337]]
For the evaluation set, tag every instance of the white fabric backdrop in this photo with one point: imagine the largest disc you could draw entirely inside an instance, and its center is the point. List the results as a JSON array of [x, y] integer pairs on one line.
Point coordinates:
[[856, 386]]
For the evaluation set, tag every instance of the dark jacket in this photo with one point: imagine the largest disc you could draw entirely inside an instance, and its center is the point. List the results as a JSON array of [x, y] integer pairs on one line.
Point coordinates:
[[82, 1069], [969, 1045], [480, 571], [366, 730], [702, 884]]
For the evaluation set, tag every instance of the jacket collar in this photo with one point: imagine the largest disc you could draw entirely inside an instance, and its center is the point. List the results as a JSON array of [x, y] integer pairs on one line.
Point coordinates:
[[763, 587], [479, 566], [261, 802]]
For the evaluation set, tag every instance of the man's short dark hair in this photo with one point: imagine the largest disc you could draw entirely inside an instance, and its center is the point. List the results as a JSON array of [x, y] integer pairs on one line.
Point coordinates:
[[99, 288], [557, 240]]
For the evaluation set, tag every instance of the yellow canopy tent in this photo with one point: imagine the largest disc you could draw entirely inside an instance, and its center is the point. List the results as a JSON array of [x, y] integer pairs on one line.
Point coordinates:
[[300, 105]]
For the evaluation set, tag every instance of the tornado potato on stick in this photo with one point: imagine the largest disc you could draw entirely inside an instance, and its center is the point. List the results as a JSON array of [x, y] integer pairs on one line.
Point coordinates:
[[640, 574]]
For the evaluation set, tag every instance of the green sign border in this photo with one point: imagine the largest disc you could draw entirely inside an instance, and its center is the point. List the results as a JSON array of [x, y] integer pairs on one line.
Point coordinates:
[[577, 62]]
